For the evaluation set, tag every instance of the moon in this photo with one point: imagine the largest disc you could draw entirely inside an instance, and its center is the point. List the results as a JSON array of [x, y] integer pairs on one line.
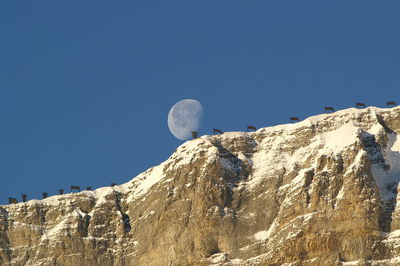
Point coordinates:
[[184, 117]]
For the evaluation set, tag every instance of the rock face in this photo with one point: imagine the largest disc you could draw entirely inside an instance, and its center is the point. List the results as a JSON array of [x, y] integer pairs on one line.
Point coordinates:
[[319, 192]]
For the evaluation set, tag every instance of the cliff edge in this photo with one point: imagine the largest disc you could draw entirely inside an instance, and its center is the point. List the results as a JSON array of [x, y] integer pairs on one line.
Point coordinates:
[[323, 191]]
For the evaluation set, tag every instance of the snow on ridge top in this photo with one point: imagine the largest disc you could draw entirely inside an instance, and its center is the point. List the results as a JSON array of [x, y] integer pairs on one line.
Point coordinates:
[[349, 111], [342, 137], [340, 114], [335, 139], [55, 200], [141, 184], [52, 200], [228, 135], [188, 152], [190, 146], [137, 187]]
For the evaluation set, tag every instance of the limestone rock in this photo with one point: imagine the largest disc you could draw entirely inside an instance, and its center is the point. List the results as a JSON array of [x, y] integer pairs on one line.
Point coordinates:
[[323, 191]]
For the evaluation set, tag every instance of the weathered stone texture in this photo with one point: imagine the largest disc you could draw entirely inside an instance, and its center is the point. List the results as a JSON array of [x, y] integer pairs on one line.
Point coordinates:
[[319, 192]]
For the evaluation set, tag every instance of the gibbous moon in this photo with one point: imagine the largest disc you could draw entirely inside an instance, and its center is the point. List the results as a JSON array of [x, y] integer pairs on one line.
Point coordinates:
[[184, 117]]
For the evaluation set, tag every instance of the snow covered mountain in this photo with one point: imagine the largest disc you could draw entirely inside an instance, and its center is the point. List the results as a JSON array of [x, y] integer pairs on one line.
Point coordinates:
[[319, 192]]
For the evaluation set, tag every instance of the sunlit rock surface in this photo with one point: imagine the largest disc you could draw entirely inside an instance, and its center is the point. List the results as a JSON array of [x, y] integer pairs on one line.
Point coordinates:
[[319, 192]]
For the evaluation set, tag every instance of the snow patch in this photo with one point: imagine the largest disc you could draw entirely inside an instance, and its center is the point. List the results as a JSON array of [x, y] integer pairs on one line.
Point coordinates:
[[351, 263], [218, 258], [189, 152], [395, 233], [243, 158], [388, 177], [261, 236], [342, 137], [395, 140], [143, 182], [340, 194]]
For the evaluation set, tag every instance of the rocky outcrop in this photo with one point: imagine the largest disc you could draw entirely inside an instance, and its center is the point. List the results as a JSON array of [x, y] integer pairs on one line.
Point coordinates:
[[319, 192]]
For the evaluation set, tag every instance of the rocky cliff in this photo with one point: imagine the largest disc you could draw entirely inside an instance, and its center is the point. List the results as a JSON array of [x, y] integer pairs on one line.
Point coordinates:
[[319, 192]]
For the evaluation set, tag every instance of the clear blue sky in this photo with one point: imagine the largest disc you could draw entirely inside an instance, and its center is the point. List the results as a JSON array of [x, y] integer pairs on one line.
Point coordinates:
[[86, 86]]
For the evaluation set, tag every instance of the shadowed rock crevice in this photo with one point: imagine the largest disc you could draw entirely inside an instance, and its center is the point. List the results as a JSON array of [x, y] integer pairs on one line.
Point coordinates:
[[234, 170], [388, 192], [381, 121], [85, 225], [125, 217]]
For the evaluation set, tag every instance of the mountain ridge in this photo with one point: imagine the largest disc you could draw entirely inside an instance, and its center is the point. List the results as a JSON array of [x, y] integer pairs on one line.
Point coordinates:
[[322, 191]]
